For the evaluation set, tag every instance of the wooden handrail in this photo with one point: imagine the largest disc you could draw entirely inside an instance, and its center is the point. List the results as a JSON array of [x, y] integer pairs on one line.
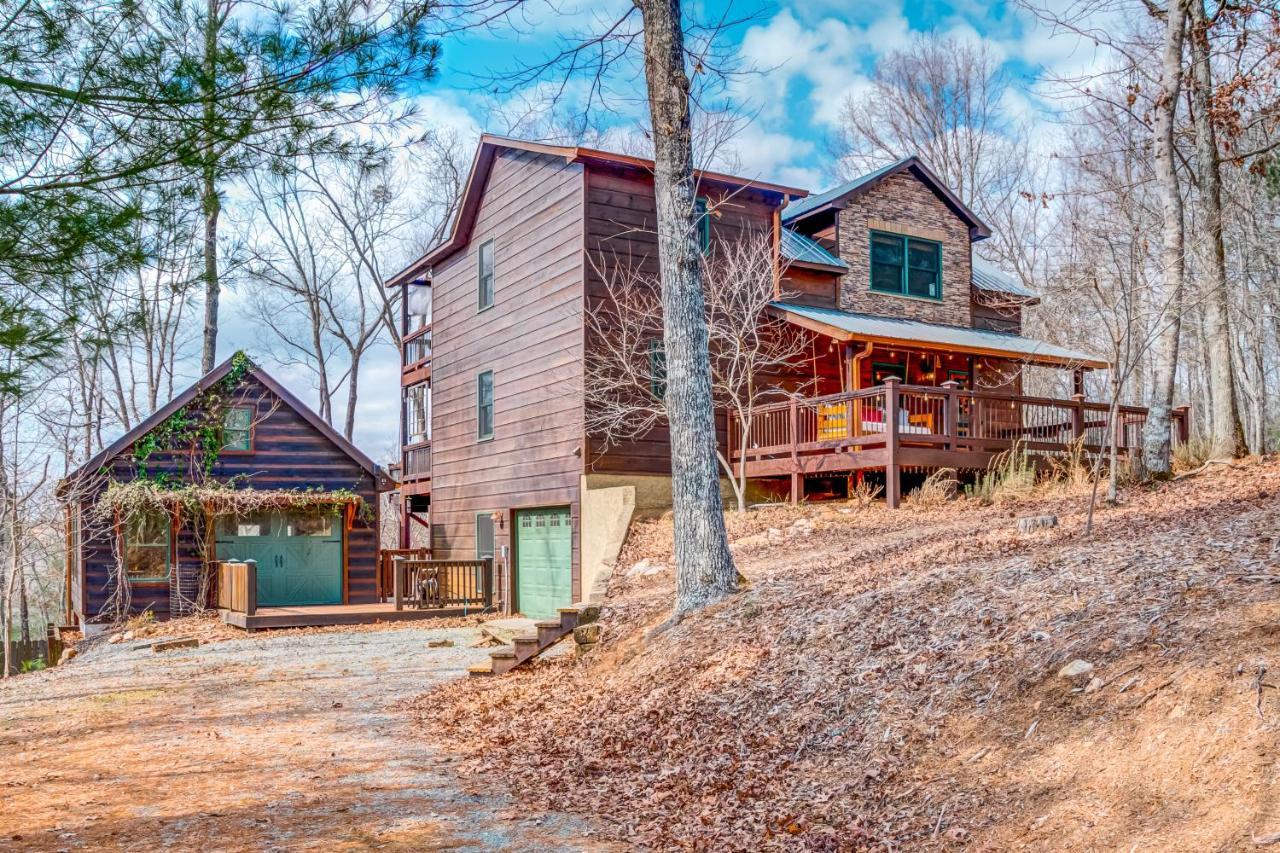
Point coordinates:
[[443, 583]]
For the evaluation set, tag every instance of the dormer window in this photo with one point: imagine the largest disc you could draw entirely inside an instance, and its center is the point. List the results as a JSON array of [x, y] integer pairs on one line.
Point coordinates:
[[906, 266]]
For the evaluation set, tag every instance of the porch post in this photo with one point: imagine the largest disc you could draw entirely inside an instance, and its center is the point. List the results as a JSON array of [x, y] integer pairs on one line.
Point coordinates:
[[1077, 382], [892, 471], [1077, 416], [251, 587], [795, 452], [952, 426], [1182, 422], [397, 582]]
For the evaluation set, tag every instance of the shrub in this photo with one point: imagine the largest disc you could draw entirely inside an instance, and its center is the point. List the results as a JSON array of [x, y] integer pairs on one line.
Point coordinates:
[[938, 488], [1011, 475], [1192, 454]]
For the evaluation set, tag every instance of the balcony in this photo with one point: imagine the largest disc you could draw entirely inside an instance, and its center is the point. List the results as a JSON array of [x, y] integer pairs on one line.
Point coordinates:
[[416, 462], [416, 357]]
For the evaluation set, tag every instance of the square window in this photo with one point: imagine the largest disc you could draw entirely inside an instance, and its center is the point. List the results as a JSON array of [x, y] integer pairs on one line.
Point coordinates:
[[906, 265], [310, 525]]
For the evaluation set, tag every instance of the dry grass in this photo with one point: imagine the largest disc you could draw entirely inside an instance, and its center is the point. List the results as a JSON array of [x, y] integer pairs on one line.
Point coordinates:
[[937, 489], [888, 679]]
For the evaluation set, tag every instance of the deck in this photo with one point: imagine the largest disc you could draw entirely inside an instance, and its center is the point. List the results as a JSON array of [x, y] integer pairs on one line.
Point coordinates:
[[895, 427], [333, 614]]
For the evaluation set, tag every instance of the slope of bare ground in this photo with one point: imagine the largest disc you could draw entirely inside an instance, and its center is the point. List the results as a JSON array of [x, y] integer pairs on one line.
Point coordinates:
[[263, 742], [890, 680]]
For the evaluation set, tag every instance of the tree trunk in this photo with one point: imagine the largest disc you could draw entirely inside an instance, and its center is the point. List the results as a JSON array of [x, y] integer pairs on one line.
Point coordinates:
[[704, 567], [1156, 434], [1226, 430], [211, 205], [353, 382]]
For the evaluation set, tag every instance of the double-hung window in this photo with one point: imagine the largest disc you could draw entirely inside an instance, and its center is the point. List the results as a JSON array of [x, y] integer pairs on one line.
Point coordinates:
[[484, 405], [907, 266], [237, 429], [486, 275]]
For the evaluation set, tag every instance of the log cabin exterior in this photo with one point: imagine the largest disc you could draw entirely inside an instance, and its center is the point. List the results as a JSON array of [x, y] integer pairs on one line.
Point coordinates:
[[320, 550], [916, 356]]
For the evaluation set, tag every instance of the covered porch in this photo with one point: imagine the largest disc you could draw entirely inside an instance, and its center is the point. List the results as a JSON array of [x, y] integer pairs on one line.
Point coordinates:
[[901, 395]]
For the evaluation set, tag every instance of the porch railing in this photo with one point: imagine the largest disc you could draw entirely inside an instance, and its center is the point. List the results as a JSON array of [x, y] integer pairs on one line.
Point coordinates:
[[417, 348], [238, 586], [417, 460], [945, 418], [387, 558], [443, 584]]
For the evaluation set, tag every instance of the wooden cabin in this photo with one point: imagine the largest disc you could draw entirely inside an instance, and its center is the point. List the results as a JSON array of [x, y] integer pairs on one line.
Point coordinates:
[[915, 362], [234, 468]]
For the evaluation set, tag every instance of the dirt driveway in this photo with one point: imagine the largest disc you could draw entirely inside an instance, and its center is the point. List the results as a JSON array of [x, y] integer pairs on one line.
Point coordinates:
[[264, 742]]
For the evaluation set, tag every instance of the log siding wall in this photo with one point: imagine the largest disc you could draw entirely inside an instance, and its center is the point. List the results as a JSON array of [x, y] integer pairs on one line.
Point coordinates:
[[532, 341], [288, 453]]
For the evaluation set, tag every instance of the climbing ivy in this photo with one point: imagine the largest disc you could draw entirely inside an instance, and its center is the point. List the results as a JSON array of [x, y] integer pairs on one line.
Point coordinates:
[[196, 427]]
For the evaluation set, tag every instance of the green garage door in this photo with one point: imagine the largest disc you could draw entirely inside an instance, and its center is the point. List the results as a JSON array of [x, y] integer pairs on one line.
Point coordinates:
[[299, 556], [544, 559]]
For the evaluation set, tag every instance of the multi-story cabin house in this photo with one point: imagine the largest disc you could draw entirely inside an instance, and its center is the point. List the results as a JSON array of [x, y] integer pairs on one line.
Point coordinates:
[[916, 360]]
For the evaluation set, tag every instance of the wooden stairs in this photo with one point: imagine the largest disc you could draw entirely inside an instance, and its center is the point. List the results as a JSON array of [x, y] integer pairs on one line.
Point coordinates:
[[526, 648]]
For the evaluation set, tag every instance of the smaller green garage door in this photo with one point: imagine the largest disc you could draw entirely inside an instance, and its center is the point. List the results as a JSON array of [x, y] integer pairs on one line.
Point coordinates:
[[299, 557], [544, 560]]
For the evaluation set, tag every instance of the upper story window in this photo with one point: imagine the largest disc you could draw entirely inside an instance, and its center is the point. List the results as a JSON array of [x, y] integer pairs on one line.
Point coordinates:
[[418, 426], [486, 275], [702, 216], [484, 405], [907, 266], [237, 428], [146, 546]]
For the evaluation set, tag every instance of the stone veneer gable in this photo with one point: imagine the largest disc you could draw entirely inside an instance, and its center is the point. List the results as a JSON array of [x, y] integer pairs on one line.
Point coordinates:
[[902, 204]]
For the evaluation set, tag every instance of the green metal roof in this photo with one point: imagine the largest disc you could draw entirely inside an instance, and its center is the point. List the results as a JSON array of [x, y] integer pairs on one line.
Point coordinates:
[[797, 247], [988, 278], [898, 329]]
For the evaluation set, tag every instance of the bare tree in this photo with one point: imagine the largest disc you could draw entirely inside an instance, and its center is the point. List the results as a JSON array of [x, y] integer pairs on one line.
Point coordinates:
[[1156, 438], [626, 374]]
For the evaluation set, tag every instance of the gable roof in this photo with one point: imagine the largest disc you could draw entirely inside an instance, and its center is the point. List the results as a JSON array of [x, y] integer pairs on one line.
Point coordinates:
[[835, 196], [804, 250], [846, 325], [207, 381], [487, 150]]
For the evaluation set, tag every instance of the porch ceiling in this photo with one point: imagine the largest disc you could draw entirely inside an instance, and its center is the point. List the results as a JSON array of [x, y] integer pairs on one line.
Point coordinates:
[[847, 326]]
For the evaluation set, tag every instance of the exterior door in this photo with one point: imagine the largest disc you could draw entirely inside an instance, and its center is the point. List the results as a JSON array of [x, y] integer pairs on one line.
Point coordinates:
[[299, 557], [544, 562]]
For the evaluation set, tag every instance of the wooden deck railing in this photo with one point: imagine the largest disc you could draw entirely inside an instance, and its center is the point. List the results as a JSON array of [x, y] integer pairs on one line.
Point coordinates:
[[387, 563], [417, 461], [927, 426], [238, 586], [443, 584], [417, 349]]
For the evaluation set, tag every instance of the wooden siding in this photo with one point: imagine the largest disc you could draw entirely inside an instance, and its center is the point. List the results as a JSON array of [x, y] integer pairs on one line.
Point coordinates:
[[288, 453], [621, 228], [532, 341], [810, 287]]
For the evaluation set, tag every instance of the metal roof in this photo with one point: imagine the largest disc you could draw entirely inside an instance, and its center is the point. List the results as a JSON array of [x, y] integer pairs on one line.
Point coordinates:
[[797, 247], [799, 208], [874, 327], [986, 277]]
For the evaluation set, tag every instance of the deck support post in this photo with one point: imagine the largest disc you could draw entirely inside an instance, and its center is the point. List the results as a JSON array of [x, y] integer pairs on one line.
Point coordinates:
[[892, 471], [1077, 416], [796, 481], [397, 583], [250, 587], [797, 487], [1182, 423]]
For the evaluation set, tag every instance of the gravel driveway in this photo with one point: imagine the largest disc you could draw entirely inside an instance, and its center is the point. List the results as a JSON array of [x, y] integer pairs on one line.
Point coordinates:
[[266, 742]]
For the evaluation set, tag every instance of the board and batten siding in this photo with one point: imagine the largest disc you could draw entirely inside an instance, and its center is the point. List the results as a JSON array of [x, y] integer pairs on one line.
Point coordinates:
[[531, 339], [288, 453], [621, 231]]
